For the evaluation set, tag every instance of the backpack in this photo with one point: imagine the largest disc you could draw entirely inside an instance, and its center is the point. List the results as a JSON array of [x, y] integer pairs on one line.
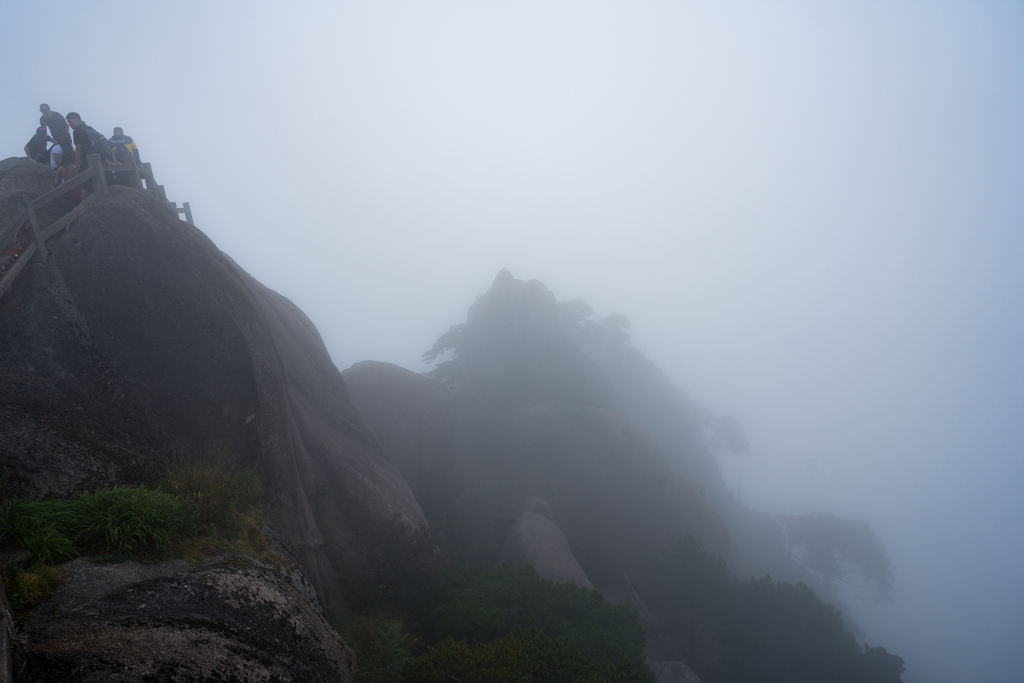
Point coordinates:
[[99, 143], [119, 150]]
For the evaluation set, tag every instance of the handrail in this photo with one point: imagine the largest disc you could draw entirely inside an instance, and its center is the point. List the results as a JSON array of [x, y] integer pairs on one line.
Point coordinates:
[[97, 170], [44, 199]]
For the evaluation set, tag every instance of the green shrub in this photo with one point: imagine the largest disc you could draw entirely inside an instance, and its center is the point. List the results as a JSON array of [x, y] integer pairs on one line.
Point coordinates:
[[522, 656], [382, 646], [126, 519], [43, 528], [217, 490], [731, 631], [405, 569], [117, 519], [481, 605]]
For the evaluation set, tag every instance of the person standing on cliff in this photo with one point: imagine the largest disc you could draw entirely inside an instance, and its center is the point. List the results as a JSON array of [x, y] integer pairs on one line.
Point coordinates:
[[57, 124], [122, 150], [122, 147], [84, 146]]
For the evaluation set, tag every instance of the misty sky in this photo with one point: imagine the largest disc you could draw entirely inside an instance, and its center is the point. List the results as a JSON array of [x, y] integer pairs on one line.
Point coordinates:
[[812, 213]]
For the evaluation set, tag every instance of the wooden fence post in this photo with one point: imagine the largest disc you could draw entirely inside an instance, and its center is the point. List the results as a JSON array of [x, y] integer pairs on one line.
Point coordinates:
[[150, 180], [101, 176], [188, 213], [37, 234], [135, 176]]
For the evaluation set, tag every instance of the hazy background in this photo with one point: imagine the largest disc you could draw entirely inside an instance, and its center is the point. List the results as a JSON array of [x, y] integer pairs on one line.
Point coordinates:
[[811, 212]]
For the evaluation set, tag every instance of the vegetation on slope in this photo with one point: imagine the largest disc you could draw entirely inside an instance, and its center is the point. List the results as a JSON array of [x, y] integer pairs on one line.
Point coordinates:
[[466, 615], [117, 519], [731, 631], [479, 605], [201, 508], [524, 655]]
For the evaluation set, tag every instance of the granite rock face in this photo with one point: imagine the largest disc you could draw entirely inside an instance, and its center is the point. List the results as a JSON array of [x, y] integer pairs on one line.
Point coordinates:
[[611, 488], [232, 620], [139, 337], [534, 414], [413, 416], [536, 540]]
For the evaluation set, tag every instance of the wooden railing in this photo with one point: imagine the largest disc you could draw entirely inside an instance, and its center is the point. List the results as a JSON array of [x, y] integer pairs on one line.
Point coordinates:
[[97, 171]]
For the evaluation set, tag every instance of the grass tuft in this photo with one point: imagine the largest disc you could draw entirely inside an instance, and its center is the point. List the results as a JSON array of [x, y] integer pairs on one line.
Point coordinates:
[[122, 519], [118, 519], [44, 528], [27, 588], [217, 490]]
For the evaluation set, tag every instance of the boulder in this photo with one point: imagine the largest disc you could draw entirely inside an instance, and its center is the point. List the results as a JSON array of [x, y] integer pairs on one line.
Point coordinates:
[[536, 540], [232, 620], [538, 505], [413, 416], [139, 337], [673, 672]]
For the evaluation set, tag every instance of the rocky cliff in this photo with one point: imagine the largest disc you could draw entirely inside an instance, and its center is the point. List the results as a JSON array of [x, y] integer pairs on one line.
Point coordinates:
[[233, 619], [138, 337], [534, 417]]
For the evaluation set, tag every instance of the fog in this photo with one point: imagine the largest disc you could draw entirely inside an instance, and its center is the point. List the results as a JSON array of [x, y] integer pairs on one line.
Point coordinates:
[[811, 213]]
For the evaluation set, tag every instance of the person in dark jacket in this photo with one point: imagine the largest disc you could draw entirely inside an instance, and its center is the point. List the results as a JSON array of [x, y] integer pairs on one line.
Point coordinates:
[[57, 124], [84, 146], [36, 147]]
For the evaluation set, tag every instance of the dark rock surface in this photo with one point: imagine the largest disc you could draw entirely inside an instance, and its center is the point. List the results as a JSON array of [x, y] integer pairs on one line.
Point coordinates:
[[18, 176], [230, 620], [139, 337], [6, 632], [414, 417], [536, 540], [611, 488]]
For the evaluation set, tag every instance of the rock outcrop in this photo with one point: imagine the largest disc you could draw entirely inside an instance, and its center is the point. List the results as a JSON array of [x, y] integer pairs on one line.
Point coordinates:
[[232, 620], [139, 337], [673, 672], [533, 415], [610, 486], [413, 416], [536, 540]]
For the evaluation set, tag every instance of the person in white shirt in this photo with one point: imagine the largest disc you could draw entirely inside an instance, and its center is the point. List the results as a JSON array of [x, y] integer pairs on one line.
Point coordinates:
[[56, 155]]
